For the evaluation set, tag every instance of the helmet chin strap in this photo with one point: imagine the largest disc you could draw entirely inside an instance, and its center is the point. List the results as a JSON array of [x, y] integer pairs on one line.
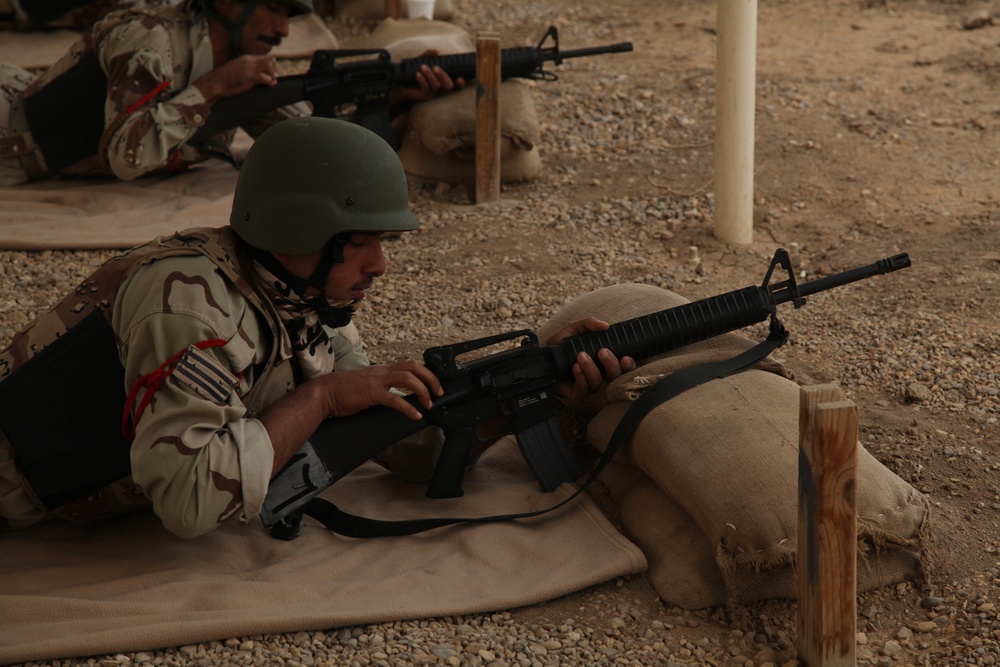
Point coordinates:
[[235, 27], [333, 253]]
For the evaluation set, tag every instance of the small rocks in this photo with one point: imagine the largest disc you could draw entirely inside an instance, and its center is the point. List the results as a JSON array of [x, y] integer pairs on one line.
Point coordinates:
[[918, 393], [978, 19], [931, 602]]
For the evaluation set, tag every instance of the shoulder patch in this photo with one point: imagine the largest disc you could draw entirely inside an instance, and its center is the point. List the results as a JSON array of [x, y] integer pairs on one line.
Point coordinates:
[[202, 373]]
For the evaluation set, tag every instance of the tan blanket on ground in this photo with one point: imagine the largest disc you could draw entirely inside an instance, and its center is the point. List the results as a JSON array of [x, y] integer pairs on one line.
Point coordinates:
[[129, 585], [103, 214]]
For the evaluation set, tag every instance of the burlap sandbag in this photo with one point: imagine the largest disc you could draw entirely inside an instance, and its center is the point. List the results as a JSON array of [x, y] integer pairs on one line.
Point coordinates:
[[682, 566], [725, 457], [410, 39], [373, 10], [681, 562], [438, 138], [439, 142]]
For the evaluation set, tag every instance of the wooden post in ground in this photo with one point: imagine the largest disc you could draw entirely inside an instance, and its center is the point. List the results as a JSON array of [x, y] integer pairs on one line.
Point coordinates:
[[487, 117], [827, 556], [394, 9]]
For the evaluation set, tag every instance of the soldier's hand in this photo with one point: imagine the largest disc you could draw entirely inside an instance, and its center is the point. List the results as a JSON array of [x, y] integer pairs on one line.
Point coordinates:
[[237, 76], [588, 377], [349, 392], [431, 82]]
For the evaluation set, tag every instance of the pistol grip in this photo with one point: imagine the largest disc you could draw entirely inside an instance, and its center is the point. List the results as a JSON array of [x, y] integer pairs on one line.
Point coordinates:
[[446, 482]]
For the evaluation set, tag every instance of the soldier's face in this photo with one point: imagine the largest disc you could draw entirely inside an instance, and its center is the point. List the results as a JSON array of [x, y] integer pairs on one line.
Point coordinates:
[[348, 280], [265, 28]]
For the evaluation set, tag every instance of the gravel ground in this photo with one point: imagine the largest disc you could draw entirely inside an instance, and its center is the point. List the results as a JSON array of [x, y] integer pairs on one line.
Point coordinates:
[[626, 196]]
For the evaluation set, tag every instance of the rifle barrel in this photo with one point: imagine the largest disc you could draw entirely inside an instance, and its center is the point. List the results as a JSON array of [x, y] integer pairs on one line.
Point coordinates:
[[620, 47], [692, 322], [887, 265]]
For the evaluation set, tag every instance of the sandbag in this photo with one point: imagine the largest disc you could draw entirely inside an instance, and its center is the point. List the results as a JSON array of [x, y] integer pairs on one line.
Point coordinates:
[[439, 142], [682, 566], [438, 137], [681, 563], [410, 39], [373, 10], [714, 474]]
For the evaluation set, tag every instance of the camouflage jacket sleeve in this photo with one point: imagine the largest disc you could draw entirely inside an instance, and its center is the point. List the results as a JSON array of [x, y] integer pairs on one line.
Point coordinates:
[[199, 454], [153, 107]]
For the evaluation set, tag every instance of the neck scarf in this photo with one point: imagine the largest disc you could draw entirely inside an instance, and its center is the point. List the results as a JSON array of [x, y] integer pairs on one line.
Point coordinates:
[[310, 343]]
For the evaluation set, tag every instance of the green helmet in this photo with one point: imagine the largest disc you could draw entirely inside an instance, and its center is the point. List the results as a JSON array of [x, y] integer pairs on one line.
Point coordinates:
[[306, 180], [297, 6]]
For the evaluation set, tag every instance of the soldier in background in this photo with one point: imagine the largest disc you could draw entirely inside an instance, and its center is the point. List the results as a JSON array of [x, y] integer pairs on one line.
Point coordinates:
[[131, 93], [231, 346], [30, 15]]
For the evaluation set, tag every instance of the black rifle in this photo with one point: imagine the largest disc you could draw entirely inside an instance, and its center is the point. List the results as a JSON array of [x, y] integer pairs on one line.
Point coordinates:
[[511, 392], [363, 77]]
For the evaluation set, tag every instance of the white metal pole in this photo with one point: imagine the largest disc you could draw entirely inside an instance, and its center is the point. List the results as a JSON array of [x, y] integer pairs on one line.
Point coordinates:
[[735, 74]]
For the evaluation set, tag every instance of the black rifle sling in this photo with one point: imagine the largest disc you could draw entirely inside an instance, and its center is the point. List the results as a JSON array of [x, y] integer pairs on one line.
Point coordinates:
[[674, 384]]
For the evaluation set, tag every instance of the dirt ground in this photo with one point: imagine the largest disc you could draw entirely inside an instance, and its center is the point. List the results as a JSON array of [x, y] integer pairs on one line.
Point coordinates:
[[877, 133]]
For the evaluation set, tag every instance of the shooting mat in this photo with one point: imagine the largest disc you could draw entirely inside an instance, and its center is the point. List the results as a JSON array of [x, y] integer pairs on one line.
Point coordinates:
[[129, 585], [82, 214]]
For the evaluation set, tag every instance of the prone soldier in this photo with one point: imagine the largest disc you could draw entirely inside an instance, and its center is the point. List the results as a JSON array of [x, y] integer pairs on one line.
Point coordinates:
[[231, 345], [132, 92]]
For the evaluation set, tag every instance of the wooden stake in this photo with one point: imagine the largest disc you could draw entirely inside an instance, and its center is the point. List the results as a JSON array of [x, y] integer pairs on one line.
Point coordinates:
[[394, 9], [827, 556], [488, 58]]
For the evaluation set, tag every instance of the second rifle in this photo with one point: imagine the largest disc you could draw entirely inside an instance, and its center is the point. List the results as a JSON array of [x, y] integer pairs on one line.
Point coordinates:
[[363, 77]]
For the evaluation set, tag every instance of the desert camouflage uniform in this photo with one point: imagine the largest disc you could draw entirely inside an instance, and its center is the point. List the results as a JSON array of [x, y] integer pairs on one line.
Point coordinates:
[[199, 455], [139, 51]]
